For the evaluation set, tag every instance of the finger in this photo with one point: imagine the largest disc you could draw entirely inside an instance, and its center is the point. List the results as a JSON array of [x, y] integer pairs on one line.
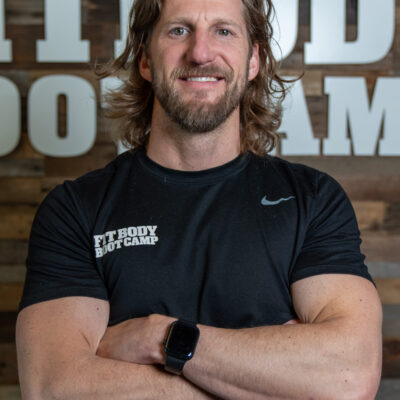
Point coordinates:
[[293, 322]]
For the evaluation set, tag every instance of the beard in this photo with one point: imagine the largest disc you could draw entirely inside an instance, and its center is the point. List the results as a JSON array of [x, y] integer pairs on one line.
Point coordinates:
[[195, 116]]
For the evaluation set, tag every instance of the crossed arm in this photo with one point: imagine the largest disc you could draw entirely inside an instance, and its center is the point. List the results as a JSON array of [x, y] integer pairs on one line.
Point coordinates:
[[335, 353]]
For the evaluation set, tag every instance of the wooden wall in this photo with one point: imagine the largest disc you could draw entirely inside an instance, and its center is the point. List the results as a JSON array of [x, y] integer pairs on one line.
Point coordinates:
[[26, 176]]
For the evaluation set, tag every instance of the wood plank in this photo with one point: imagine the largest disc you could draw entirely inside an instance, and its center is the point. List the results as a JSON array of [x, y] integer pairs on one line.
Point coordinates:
[[13, 252], [391, 357], [21, 168], [24, 44], [375, 187], [313, 83], [318, 109], [10, 392], [24, 12], [25, 150], [370, 214], [12, 273], [16, 221], [96, 158], [378, 216], [379, 246], [392, 218], [10, 296], [391, 320], [384, 269], [8, 321], [101, 36], [389, 290], [351, 166], [8, 364], [21, 190]]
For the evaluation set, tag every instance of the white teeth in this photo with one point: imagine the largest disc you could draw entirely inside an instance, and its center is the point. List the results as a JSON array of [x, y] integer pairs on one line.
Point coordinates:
[[202, 79]]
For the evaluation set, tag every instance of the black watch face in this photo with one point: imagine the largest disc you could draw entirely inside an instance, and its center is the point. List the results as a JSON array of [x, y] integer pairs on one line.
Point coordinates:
[[182, 340]]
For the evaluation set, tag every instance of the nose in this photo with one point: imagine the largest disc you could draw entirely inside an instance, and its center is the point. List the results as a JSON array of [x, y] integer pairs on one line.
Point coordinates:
[[200, 49]]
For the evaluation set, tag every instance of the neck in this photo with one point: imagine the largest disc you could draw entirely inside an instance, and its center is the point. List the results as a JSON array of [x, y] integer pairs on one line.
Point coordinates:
[[174, 148]]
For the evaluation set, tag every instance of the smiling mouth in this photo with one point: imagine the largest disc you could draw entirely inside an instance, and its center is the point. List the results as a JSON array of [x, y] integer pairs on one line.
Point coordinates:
[[201, 79]]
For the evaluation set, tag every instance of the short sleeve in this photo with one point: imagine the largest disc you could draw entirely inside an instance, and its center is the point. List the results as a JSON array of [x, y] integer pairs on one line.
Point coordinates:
[[332, 240], [60, 262]]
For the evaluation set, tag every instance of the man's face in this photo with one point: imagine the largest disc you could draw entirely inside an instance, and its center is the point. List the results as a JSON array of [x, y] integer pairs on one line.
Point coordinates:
[[200, 61]]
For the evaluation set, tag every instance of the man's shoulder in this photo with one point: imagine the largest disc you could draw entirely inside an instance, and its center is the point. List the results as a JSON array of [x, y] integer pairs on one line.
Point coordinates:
[[293, 173], [88, 191], [117, 166]]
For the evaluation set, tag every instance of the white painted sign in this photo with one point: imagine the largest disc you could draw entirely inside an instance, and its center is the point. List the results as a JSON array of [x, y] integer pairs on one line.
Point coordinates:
[[5, 45], [349, 104], [10, 116], [376, 28], [63, 33], [124, 9], [43, 113], [296, 124], [285, 26]]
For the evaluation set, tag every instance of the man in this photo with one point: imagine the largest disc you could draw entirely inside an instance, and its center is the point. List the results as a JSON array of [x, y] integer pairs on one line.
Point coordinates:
[[193, 226]]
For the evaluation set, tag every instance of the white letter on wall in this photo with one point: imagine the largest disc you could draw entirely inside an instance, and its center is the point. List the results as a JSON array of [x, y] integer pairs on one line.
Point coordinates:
[[349, 106], [124, 9], [285, 25], [297, 125], [376, 28], [43, 116], [5, 45], [387, 100], [63, 33], [10, 116]]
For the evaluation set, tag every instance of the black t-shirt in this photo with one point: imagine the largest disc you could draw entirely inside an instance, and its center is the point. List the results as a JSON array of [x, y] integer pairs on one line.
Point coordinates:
[[220, 247]]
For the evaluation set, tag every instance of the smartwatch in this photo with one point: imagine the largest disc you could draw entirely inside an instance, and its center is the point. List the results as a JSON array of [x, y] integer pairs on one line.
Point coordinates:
[[180, 345]]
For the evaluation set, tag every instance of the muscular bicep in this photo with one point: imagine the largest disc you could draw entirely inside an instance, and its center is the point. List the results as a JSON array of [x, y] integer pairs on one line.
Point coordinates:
[[53, 334], [324, 297], [347, 312]]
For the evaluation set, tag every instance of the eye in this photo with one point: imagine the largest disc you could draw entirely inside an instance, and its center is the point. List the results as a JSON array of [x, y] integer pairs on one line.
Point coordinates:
[[179, 31], [224, 32]]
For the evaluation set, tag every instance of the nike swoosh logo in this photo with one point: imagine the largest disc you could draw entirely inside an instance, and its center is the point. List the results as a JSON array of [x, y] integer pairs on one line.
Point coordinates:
[[266, 202]]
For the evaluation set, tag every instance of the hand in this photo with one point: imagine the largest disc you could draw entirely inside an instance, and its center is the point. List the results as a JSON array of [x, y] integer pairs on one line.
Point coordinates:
[[140, 340], [293, 322], [137, 340]]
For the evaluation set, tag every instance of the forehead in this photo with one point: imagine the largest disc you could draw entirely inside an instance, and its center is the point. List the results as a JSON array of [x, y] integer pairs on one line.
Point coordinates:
[[207, 10]]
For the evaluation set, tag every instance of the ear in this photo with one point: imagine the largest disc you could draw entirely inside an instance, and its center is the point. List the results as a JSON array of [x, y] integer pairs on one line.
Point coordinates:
[[144, 65], [254, 64]]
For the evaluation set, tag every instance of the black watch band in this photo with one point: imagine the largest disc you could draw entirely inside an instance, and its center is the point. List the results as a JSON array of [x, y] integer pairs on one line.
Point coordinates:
[[174, 365]]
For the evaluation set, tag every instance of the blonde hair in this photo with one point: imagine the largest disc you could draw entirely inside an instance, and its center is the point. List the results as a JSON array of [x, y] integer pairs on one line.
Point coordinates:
[[260, 109]]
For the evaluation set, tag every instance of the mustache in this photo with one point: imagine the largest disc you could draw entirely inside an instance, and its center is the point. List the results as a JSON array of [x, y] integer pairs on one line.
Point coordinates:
[[188, 70]]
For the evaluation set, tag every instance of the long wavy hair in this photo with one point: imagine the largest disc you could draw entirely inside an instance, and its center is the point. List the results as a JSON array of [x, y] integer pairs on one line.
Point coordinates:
[[260, 109]]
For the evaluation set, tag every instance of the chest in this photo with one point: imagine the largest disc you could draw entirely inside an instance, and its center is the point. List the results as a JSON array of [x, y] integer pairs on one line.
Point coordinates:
[[213, 254]]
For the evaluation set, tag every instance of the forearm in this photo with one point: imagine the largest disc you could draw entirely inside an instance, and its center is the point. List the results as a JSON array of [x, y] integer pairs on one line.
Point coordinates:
[[97, 378], [303, 361]]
